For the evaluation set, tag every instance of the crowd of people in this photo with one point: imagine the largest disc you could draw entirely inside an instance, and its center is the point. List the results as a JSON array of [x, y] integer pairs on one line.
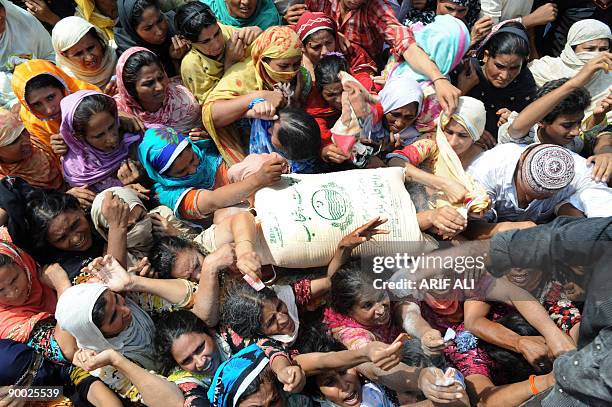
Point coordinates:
[[146, 146]]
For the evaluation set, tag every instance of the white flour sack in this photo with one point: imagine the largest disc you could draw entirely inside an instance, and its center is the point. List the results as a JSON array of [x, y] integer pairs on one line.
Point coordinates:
[[304, 216]]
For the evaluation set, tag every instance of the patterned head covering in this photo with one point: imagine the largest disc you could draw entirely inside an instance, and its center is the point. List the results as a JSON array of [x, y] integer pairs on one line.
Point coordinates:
[[274, 43], [547, 168], [311, 22], [234, 375], [10, 127]]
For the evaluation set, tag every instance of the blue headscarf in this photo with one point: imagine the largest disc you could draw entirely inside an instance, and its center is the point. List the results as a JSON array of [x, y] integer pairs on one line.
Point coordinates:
[[235, 374], [260, 142], [158, 150]]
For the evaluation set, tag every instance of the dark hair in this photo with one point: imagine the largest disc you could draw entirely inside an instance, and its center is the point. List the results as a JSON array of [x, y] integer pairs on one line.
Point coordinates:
[[94, 33], [42, 81], [191, 18], [265, 376], [164, 251], [170, 326], [578, 100], [138, 10], [5, 260], [298, 134], [506, 360], [508, 43], [132, 68], [97, 313], [347, 284], [89, 106], [306, 40], [327, 70], [242, 310], [42, 208]]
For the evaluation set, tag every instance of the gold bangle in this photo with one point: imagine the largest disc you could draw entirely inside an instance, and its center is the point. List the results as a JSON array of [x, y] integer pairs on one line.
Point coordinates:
[[245, 240]]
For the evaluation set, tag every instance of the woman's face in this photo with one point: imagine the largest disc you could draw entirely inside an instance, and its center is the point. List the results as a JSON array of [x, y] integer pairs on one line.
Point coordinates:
[[266, 396], [527, 279], [18, 150], [45, 102], [332, 94], [14, 285], [503, 69], [185, 164], [152, 27], [210, 41], [373, 307], [600, 45], [320, 44], [117, 315], [458, 137], [402, 117], [241, 8], [342, 388], [69, 231], [275, 318], [196, 352], [151, 85], [87, 53], [455, 10], [286, 64], [102, 132], [188, 264]]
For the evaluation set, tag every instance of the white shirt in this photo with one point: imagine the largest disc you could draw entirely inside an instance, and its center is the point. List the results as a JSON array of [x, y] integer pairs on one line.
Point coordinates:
[[494, 170], [502, 10]]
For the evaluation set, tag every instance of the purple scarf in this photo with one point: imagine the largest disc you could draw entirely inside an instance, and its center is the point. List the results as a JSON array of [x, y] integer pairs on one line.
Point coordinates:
[[84, 164]]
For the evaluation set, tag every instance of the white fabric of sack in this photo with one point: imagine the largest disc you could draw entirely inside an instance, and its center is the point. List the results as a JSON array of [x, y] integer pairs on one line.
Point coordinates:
[[304, 216]]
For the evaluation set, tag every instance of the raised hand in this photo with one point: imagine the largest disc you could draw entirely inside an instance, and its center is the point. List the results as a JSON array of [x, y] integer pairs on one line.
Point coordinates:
[[111, 273], [363, 233]]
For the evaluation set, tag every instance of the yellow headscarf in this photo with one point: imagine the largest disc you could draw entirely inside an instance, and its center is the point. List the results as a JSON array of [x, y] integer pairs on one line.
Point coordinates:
[[471, 115], [87, 10], [254, 74]]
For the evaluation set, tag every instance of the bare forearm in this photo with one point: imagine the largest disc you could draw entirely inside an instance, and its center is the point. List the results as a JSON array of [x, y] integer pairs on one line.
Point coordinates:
[[513, 394], [228, 195], [316, 362], [603, 144], [206, 304], [409, 318], [101, 396], [171, 290], [225, 112], [420, 62], [244, 231], [423, 177], [401, 378], [493, 333], [155, 390], [117, 244]]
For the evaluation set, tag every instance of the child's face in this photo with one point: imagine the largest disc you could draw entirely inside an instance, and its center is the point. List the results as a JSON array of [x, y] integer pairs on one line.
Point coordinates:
[[563, 130], [196, 352], [341, 387], [14, 285], [102, 132], [332, 94], [373, 307], [276, 319], [186, 163], [45, 102], [402, 117], [18, 150], [187, 265]]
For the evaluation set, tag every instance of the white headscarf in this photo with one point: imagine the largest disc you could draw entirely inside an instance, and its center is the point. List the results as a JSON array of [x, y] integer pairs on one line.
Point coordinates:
[[139, 237], [569, 63], [69, 31], [286, 295], [399, 91], [24, 38], [74, 314]]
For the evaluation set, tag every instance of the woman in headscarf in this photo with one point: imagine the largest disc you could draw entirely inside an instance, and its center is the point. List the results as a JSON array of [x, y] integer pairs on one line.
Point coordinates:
[[401, 100], [97, 147], [319, 36], [101, 13], [275, 63], [445, 41], [237, 13], [100, 318], [139, 229], [142, 24], [144, 90], [27, 157], [22, 37], [586, 40], [447, 155], [499, 76], [40, 86], [83, 52], [27, 305]]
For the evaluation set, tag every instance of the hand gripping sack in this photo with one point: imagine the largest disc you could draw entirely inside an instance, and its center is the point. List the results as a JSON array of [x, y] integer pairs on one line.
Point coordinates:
[[304, 216]]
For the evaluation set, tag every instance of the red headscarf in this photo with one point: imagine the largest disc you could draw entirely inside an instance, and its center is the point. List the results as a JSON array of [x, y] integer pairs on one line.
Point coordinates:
[[17, 322]]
